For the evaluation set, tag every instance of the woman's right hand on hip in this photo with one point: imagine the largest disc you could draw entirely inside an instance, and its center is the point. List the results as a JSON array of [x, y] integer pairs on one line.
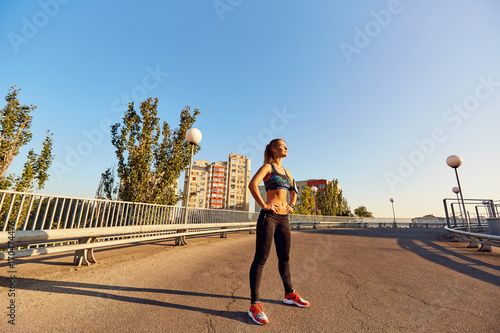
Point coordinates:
[[270, 206]]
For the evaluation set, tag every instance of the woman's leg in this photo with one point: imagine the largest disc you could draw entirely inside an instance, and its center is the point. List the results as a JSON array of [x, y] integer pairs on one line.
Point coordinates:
[[282, 241], [265, 229]]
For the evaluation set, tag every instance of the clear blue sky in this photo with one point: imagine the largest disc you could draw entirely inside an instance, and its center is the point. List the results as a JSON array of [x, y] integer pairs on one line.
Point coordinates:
[[376, 94]]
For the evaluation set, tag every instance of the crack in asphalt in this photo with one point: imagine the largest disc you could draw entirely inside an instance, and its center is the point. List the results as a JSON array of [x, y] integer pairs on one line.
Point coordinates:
[[349, 275], [423, 301], [486, 319], [352, 304], [235, 285], [348, 296], [210, 326]]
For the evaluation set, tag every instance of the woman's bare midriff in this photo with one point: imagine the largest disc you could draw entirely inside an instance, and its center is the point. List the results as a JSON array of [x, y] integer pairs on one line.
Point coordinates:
[[278, 198]]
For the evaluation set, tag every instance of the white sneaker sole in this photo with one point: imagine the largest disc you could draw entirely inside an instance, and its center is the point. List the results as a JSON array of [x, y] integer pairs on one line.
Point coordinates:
[[289, 301], [255, 320]]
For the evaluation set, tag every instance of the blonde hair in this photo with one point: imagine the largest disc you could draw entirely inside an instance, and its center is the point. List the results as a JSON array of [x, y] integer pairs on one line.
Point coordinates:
[[268, 153]]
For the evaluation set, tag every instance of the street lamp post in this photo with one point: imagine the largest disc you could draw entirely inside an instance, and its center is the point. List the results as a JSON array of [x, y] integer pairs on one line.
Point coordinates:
[[456, 190], [314, 189], [193, 136], [393, 213], [454, 161]]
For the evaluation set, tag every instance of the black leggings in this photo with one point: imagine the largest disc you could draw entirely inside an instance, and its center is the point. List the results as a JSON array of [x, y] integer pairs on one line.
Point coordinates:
[[271, 225]]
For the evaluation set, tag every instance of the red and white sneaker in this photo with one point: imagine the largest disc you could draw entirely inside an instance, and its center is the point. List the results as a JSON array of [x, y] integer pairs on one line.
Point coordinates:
[[256, 312], [295, 299]]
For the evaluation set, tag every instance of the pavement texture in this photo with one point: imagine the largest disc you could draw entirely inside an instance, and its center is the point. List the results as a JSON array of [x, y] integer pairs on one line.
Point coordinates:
[[379, 280]]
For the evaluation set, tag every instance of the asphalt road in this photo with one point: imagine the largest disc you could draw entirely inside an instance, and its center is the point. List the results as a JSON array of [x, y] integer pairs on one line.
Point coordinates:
[[379, 280]]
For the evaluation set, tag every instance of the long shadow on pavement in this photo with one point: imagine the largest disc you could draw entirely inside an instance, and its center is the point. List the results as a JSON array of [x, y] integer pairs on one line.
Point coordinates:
[[443, 256], [429, 249], [77, 288]]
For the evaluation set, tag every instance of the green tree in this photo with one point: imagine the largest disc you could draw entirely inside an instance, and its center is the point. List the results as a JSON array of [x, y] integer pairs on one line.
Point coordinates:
[[35, 171], [331, 202], [305, 204], [151, 157], [15, 123], [107, 188], [361, 211]]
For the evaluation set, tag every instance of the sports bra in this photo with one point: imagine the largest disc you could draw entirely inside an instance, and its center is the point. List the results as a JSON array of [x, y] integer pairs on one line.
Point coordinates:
[[277, 181]]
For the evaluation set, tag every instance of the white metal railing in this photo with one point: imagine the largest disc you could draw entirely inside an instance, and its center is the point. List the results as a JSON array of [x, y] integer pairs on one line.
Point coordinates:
[[474, 238], [33, 224], [358, 222], [468, 219], [364, 223], [30, 211], [469, 211]]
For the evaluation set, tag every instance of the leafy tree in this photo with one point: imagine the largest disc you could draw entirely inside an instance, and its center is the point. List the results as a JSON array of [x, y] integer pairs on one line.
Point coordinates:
[[151, 157], [361, 211], [35, 169], [305, 205], [15, 123], [331, 202], [107, 188]]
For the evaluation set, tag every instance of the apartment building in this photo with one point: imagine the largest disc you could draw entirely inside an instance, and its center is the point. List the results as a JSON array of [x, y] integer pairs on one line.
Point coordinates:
[[217, 185], [238, 178], [198, 184], [220, 185]]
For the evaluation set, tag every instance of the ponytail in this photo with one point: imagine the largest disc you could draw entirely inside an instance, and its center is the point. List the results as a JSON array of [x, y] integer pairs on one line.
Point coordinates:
[[268, 152]]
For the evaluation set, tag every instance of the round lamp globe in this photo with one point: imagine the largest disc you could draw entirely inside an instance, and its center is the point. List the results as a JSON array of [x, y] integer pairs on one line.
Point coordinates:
[[193, 136], [454, 161]]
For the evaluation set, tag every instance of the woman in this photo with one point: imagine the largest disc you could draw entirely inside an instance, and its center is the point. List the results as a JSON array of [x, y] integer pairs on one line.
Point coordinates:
[[273, 223]]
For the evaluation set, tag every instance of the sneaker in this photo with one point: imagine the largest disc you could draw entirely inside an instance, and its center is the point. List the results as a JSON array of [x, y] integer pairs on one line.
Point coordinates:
[[256, 312], [295, 299]]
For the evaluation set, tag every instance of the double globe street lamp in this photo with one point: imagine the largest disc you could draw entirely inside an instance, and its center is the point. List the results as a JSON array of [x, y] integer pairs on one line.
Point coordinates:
[[456, 190], [454, 161]]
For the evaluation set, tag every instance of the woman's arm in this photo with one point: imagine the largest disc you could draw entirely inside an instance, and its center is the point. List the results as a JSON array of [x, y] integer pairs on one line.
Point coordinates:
[[253, 186], [293, 195]]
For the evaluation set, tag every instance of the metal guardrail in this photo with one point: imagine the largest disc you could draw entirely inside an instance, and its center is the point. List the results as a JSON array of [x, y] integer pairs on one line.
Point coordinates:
[[474, 239], [363, 223], [33, 224], [468, 220], [476, 211], [358, 222]]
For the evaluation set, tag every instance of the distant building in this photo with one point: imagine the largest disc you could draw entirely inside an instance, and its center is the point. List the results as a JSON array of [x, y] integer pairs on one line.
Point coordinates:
[[217, 185], [428, 218], [198, 184], [220, 185], [238, 178]]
